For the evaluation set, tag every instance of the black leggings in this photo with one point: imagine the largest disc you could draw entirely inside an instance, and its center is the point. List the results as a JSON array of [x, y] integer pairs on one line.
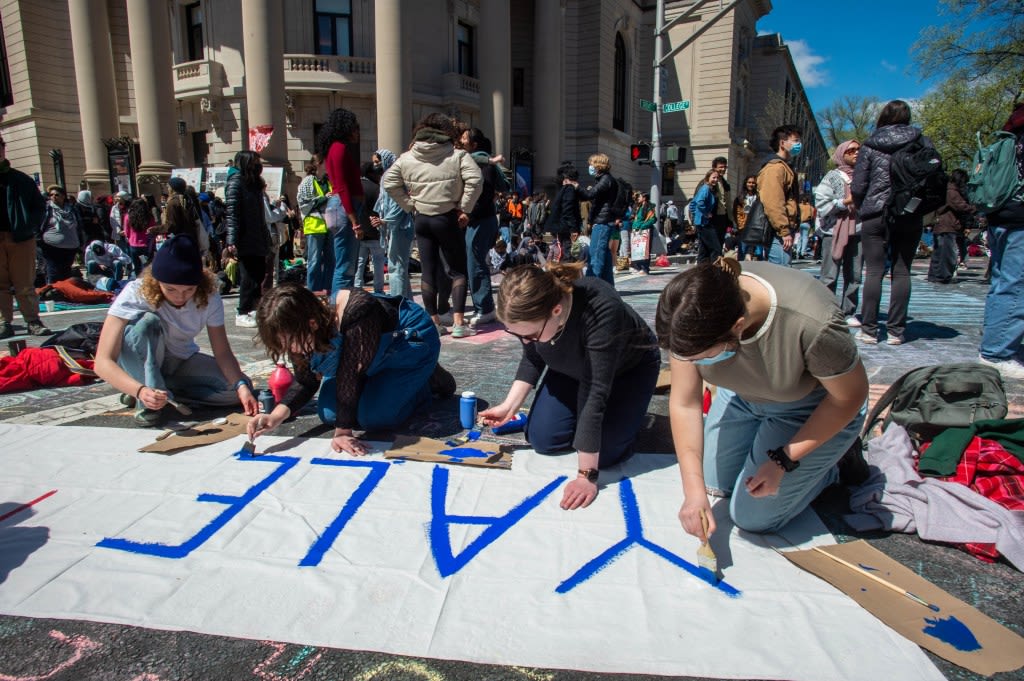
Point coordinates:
[[884, 240], [442, 246], [252, 269]]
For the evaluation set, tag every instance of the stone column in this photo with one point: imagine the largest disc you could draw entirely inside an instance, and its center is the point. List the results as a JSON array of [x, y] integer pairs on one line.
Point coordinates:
[[150, 42], [97, 98], [547, 107], [495, 61], [394, 79], [263, 38]]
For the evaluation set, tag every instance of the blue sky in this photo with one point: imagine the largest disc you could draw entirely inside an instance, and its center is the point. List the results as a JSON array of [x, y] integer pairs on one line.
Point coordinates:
[[856, 48]]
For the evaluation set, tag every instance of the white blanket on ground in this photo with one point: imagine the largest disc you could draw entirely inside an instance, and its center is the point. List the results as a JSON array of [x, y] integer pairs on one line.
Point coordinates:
[[896, 497], [310, 547]]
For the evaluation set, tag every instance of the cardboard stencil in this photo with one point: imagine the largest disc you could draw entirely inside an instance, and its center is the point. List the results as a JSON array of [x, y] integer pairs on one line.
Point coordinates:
[[478, 454], [200, 435], [956, 632]]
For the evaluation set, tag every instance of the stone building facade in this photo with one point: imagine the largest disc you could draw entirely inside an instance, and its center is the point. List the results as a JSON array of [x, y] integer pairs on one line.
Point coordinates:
[[180, 83]]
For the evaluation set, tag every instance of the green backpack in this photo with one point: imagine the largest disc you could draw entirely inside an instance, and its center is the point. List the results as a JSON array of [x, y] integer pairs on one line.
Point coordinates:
[[928, 400], [994, 179]]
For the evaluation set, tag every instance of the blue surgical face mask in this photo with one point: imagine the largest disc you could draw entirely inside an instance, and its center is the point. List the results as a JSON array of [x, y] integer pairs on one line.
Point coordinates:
[[720, 357], [796, 149], [592, 170]]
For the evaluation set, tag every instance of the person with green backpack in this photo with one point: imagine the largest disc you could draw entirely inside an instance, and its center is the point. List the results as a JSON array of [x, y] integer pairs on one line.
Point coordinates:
[[1003, 327]]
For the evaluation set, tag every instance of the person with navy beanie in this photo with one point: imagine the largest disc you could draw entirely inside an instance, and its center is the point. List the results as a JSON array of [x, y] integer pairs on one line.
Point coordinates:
[[147, 348]]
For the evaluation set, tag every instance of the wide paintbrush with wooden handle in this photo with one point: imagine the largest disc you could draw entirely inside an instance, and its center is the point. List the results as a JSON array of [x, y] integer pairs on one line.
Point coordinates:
[[705, 556]]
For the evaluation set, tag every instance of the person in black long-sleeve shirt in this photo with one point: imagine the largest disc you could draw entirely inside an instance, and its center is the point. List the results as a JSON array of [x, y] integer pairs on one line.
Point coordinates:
[[373, 359], [602, 362]]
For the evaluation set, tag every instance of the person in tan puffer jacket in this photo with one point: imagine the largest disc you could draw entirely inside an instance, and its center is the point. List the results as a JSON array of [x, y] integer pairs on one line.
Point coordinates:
[[441, 185]]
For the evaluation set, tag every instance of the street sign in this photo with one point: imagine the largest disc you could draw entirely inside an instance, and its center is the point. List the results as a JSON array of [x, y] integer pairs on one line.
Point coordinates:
[[648, 106], [672, 107]]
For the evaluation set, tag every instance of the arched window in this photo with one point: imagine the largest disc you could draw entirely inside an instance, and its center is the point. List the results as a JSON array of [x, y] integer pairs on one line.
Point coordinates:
[[619, 103]]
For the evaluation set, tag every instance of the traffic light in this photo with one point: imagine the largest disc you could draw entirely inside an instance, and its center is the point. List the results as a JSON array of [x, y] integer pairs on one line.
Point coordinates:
[[640, 153]]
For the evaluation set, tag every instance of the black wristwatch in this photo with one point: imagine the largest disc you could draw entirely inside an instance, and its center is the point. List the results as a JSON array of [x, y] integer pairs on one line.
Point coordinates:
[[589, 473], [779, 456]]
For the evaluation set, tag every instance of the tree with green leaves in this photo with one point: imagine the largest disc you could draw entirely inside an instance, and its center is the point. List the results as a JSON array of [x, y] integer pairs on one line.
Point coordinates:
[[953, 114], [849, 117]]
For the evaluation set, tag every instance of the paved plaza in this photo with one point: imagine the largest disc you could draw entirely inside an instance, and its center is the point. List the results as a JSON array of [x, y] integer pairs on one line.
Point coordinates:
[[945, 327]]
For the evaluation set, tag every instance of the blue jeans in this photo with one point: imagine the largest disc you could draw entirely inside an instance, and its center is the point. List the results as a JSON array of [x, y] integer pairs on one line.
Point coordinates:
[[553, 417], [196, 380], [399, 251], [737, 437], [346, 256], [1004, 304], [319, 261], [398, 378], [479, 240], [601, 264], [778, 255], [371, 248], [800, 247]]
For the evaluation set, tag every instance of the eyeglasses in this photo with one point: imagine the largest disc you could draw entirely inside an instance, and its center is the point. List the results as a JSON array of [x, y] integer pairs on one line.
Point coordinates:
[[854, 150], [530, 339]]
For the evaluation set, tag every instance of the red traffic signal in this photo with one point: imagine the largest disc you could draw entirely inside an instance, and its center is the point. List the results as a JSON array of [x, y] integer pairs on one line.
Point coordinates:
[[640, 153]]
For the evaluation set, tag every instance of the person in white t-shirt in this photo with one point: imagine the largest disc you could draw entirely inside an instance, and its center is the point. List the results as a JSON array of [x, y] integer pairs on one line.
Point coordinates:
[[147, 349]]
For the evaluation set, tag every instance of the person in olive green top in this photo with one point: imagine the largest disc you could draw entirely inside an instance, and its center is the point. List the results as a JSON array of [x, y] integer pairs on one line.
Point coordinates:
[[792, 391], [22, 209]]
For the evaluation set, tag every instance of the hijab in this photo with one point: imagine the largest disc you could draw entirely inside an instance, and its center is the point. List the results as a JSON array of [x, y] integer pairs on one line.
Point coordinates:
[[839, 158]]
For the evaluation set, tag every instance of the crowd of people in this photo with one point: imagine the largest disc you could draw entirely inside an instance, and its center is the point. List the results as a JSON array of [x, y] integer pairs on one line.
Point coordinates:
[[776, 341]]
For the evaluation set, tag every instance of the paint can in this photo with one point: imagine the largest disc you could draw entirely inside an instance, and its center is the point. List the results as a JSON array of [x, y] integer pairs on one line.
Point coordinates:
[[14, 347], [266, 400], [467, 409]]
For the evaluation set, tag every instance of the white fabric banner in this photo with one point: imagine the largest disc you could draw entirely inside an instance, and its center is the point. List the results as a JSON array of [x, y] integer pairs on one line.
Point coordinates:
[[305, 546]]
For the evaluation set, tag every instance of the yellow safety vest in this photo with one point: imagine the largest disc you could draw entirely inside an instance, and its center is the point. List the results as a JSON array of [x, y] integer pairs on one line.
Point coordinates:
[[314, 223]]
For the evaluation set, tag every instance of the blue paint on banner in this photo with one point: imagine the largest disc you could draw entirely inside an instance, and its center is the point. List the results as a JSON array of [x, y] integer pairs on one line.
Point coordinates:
[[377, 470], [635, 537], [234, 504], [440, 523], [952, 631]]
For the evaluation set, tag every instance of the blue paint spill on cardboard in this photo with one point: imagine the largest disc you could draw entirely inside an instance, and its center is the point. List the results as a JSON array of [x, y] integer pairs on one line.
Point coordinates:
[[952, 631], [465, 452], [867, 567]]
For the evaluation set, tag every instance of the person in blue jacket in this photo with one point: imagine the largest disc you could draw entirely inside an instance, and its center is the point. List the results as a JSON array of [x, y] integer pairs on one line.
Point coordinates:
[[702, 210]]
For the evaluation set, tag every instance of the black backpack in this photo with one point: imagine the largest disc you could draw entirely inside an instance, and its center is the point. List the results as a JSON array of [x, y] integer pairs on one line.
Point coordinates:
[[623, 196], [917, 180]]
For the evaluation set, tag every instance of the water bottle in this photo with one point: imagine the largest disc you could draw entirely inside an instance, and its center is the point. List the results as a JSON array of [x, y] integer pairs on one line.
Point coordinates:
[[511, 426], [467, 410], [266, 400], [279, 382]]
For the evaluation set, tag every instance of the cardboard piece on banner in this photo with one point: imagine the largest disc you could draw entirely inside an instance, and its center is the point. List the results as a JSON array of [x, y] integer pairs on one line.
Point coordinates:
[[478, 454], [664, 381], [956, 632], [200, 435]]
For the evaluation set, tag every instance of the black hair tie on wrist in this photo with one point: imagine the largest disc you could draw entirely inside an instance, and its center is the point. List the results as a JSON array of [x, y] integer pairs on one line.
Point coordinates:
[[782, 460]]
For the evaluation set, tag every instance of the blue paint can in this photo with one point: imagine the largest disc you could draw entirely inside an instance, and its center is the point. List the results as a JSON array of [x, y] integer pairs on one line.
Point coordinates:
[[512, 426], [266, 400], [467, 409]]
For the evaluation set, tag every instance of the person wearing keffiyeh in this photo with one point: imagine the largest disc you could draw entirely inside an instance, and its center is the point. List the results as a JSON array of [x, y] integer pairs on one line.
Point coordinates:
[[841, 246]]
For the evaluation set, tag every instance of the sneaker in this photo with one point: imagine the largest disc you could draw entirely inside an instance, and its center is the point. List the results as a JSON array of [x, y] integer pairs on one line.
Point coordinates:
[[864, 338], [37, 328], [894, 340], [853, 322], [148, 418], [247, 320], [442, 330], [483, 320], [6, 331], [442, 383], [462, 332], [128, 401], [447, 319], [1009, 368]]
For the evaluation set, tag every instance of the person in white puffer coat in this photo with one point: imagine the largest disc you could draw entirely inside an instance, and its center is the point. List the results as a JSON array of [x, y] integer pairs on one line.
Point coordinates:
[[441, 185]]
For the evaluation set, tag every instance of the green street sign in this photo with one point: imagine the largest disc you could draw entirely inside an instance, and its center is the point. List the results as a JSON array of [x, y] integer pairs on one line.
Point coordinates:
[[648, 105], [672, 107]]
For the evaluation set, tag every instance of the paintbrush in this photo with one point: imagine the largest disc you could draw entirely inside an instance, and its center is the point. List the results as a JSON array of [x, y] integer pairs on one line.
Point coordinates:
[[705, 556], [249, 448], [182, 409], [887, 584]]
